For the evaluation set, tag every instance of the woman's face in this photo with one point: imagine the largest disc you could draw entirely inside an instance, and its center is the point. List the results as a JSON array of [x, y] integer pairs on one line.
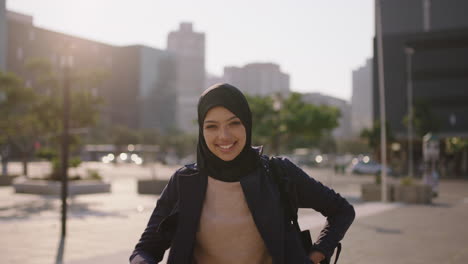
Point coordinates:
[[224, 133]]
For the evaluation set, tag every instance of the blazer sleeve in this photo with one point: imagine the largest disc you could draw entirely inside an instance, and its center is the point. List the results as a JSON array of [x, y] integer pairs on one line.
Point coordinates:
[[313, 194], [155, 240]]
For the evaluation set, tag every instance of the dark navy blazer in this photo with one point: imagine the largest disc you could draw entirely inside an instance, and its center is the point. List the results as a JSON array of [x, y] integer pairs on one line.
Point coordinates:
[[174, 221]]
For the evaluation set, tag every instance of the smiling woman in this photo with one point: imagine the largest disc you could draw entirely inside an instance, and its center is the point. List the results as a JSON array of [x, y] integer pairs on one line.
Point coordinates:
[[224, 133], [227, 207]]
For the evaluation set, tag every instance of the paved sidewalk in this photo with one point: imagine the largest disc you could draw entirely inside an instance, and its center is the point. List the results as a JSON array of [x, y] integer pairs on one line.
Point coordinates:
[[434, 233], [104, 228]]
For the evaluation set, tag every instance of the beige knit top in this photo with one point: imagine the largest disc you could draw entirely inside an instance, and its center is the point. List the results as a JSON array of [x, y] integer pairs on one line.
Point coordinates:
[[227, 233]]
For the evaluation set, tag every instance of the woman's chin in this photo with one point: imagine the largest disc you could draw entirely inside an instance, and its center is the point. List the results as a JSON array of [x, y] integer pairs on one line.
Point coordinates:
[[226, 157]]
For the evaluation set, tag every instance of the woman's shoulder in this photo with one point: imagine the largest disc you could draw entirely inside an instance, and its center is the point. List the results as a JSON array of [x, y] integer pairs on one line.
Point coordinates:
[[283, 160], [187, 170]]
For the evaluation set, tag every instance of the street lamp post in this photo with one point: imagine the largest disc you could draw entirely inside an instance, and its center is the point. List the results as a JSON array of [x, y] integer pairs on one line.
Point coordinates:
[[277, 105], [409, 85], [383, 134], [67, 62]]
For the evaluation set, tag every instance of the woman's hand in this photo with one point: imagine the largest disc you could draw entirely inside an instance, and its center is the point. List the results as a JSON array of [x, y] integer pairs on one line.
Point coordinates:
[[316, 257]]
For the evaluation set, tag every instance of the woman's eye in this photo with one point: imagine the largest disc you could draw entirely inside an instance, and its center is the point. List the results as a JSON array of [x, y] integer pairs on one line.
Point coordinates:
[[210, 127], [235, 123]]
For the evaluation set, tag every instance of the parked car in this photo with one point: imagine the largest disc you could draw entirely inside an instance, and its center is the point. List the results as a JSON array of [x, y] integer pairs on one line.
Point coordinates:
[[369, 167]]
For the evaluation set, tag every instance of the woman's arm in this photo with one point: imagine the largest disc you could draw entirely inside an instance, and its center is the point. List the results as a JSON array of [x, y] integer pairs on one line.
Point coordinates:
[[155, 240], [312, 194]]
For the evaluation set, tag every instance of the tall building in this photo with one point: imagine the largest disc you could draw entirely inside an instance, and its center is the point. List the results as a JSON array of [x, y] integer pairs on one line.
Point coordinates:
[[427, 57], [344, 128], [144, 88], [437, 33], [212, 79], [258, 79], [403, 16], [3, 35], [188, 48], [361, 99], [138, 87]]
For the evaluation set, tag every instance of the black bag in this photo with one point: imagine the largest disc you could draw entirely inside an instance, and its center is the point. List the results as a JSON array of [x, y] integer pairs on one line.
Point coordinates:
[[278, 173]]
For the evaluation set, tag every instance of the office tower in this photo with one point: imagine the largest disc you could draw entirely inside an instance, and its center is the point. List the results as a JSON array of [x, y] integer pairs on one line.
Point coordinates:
[[258, 79], [426, 53], [361, 99], [188, 48]]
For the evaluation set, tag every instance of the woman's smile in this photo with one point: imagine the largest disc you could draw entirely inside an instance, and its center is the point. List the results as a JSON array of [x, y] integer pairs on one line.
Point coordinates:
[[226, 147], [224, 133]]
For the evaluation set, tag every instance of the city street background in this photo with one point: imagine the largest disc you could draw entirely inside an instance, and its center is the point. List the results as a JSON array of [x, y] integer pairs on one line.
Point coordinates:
[[103, 228]]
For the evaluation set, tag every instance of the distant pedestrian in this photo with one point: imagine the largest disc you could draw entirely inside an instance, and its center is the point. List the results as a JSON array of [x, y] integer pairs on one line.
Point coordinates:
[[431, 177], [227, 208]]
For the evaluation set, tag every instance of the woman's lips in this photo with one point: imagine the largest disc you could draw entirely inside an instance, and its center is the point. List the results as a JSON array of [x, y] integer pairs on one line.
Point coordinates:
[[226, 147]]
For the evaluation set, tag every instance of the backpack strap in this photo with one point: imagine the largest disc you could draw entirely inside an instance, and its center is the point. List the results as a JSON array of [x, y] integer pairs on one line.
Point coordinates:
[[338, 251], [278, 173]]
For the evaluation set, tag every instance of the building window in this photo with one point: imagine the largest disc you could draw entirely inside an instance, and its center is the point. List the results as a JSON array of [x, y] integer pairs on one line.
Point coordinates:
[[19, 53], [53, 59], [94, 92], [32, 35], [109, 61]]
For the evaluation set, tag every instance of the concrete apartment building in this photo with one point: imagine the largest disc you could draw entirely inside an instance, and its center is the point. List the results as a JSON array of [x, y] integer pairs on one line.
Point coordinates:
[[188, 48], [361, 99], [138, 89], [344, 128], [261, 79]]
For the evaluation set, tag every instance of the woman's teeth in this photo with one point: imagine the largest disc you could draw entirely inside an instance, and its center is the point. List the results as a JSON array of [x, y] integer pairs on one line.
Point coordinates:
[[226, 146]]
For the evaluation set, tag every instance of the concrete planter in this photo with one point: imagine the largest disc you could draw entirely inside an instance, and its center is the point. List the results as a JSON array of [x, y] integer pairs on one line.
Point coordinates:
[[373, 192], [45, 187], [417, 193], [7, 180], [151, 186]]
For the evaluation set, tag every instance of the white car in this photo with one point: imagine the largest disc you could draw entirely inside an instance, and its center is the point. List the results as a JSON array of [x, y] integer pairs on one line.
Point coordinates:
[[369, 167]]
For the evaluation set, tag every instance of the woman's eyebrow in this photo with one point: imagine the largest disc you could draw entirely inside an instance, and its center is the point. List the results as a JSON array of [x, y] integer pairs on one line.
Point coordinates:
[[231, 118], [212, 121]]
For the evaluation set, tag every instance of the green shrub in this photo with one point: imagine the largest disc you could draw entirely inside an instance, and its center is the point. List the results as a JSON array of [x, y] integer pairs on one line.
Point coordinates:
[[407, 181], [46, 153], [74, 162], [378, 178], [94, 174]]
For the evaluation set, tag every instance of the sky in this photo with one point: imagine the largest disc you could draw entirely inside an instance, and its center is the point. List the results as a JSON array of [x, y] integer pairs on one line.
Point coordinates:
[[317, 42]]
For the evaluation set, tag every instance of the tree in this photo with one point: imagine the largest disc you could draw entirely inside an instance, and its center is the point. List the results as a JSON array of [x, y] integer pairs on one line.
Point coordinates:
[[307, 123], [292, 120], [424, 120], [372, 136], [122, 136], [35, 114], [19, 122], [84, 105]]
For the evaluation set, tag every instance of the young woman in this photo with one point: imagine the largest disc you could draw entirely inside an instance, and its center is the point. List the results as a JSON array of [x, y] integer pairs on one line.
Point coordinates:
[[227, 208]]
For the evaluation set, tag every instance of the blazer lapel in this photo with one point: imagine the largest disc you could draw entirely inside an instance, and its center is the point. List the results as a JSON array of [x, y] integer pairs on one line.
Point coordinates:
[[192, 189], [265, 206]]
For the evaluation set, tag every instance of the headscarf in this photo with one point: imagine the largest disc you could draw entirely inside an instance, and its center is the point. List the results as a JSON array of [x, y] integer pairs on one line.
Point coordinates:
[[231, 98]]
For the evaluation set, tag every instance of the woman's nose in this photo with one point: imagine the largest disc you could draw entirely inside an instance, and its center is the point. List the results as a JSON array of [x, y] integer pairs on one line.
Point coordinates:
[[224, 133]]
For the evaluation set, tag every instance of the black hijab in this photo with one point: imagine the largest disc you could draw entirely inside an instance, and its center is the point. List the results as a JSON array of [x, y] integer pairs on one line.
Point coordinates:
[[231, 98]]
